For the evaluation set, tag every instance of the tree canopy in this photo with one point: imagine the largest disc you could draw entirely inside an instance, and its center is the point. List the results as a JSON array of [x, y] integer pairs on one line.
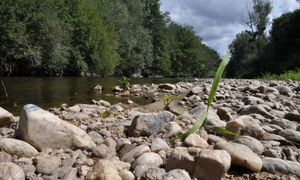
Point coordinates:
[[256, 52], [98, 37]]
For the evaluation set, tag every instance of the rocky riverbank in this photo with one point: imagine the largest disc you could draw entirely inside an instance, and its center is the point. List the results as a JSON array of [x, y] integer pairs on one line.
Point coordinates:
[[127, 141]]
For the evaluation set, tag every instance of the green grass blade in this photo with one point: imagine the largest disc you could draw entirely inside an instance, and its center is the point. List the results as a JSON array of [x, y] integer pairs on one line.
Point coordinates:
[[224, 131], [217, 79], [196, 126]]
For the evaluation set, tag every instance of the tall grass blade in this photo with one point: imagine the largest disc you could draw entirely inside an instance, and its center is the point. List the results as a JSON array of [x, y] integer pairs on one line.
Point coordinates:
[[196, 126], [199, 123], [217, 79]]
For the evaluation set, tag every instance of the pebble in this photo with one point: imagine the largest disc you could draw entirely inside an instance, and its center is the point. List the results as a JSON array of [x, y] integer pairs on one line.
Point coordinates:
[[159, 144], [11, 171], [135, 152], [196, 141]]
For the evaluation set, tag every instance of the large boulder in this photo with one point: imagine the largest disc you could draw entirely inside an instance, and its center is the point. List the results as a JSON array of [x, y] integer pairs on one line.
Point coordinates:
[[42, 129], [6, 118], [149, 123], [17, 147]]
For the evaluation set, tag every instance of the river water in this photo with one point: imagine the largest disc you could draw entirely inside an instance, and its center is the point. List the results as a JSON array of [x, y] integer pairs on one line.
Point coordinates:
[[49, 92]]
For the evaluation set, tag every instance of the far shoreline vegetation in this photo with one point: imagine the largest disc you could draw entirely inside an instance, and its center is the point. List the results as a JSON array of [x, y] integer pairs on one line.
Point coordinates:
[[136, 39]]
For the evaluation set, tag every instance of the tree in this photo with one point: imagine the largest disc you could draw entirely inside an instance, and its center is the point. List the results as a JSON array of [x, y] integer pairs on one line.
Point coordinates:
[[134, 40], [249, 45], [156, 22], [189, 57], [284, 44]]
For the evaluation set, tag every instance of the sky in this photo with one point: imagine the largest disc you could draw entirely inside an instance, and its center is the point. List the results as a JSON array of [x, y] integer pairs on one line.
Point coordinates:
[[218, 21]]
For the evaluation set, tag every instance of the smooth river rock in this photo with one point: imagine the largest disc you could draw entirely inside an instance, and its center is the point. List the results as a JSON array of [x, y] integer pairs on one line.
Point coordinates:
[[149, 159], [291, 135], [135, 152], [212, 164], [149, 123], [252, 143], [241, 155], [6, 118], [179, 174], [274, 165], [17, 147], [11, 171], [42, 129], [104, 170], [196, 141]]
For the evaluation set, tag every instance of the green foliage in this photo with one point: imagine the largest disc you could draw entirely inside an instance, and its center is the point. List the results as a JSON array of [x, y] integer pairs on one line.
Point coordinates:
[[291, 74], [248, 46], [254, 53], [188, 55], [283, 51], [201, 120], [217, 79], [124, 83], [167, 99], [97, 37]]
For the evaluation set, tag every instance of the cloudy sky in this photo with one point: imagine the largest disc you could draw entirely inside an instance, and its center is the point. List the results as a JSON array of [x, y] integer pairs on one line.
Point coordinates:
[[218, 21]]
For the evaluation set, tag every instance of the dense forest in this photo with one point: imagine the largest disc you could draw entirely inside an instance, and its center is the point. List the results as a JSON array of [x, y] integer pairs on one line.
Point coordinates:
[[256, 51], [98, 37], [135, 38]]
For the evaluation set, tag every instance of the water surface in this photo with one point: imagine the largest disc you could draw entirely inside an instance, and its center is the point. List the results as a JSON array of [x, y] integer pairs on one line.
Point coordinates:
[[49, 92]]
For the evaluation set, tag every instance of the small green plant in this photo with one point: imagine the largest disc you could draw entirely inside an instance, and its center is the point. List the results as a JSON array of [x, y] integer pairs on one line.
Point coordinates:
[[124, 83], [202, 118], [167, 101], [291, 74]]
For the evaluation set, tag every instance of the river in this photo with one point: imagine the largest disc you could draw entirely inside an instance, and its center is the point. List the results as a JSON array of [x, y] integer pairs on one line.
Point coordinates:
[[49, 92]]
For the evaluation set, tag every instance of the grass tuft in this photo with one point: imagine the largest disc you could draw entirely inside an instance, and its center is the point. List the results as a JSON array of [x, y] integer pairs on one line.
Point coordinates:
[[292, 75]]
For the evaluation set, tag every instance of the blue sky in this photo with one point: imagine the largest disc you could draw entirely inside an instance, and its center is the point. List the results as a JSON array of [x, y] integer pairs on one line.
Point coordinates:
[[218, 21]]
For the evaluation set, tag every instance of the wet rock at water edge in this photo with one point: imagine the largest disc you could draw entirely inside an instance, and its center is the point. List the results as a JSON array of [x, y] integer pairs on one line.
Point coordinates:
[[6, 118]]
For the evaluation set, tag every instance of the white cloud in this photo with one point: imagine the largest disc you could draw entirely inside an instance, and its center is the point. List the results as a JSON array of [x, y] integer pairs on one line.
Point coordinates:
[[218, 21]]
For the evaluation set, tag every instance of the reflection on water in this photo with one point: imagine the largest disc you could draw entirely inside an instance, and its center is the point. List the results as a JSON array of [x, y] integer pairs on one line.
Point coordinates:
[[50, 92]]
